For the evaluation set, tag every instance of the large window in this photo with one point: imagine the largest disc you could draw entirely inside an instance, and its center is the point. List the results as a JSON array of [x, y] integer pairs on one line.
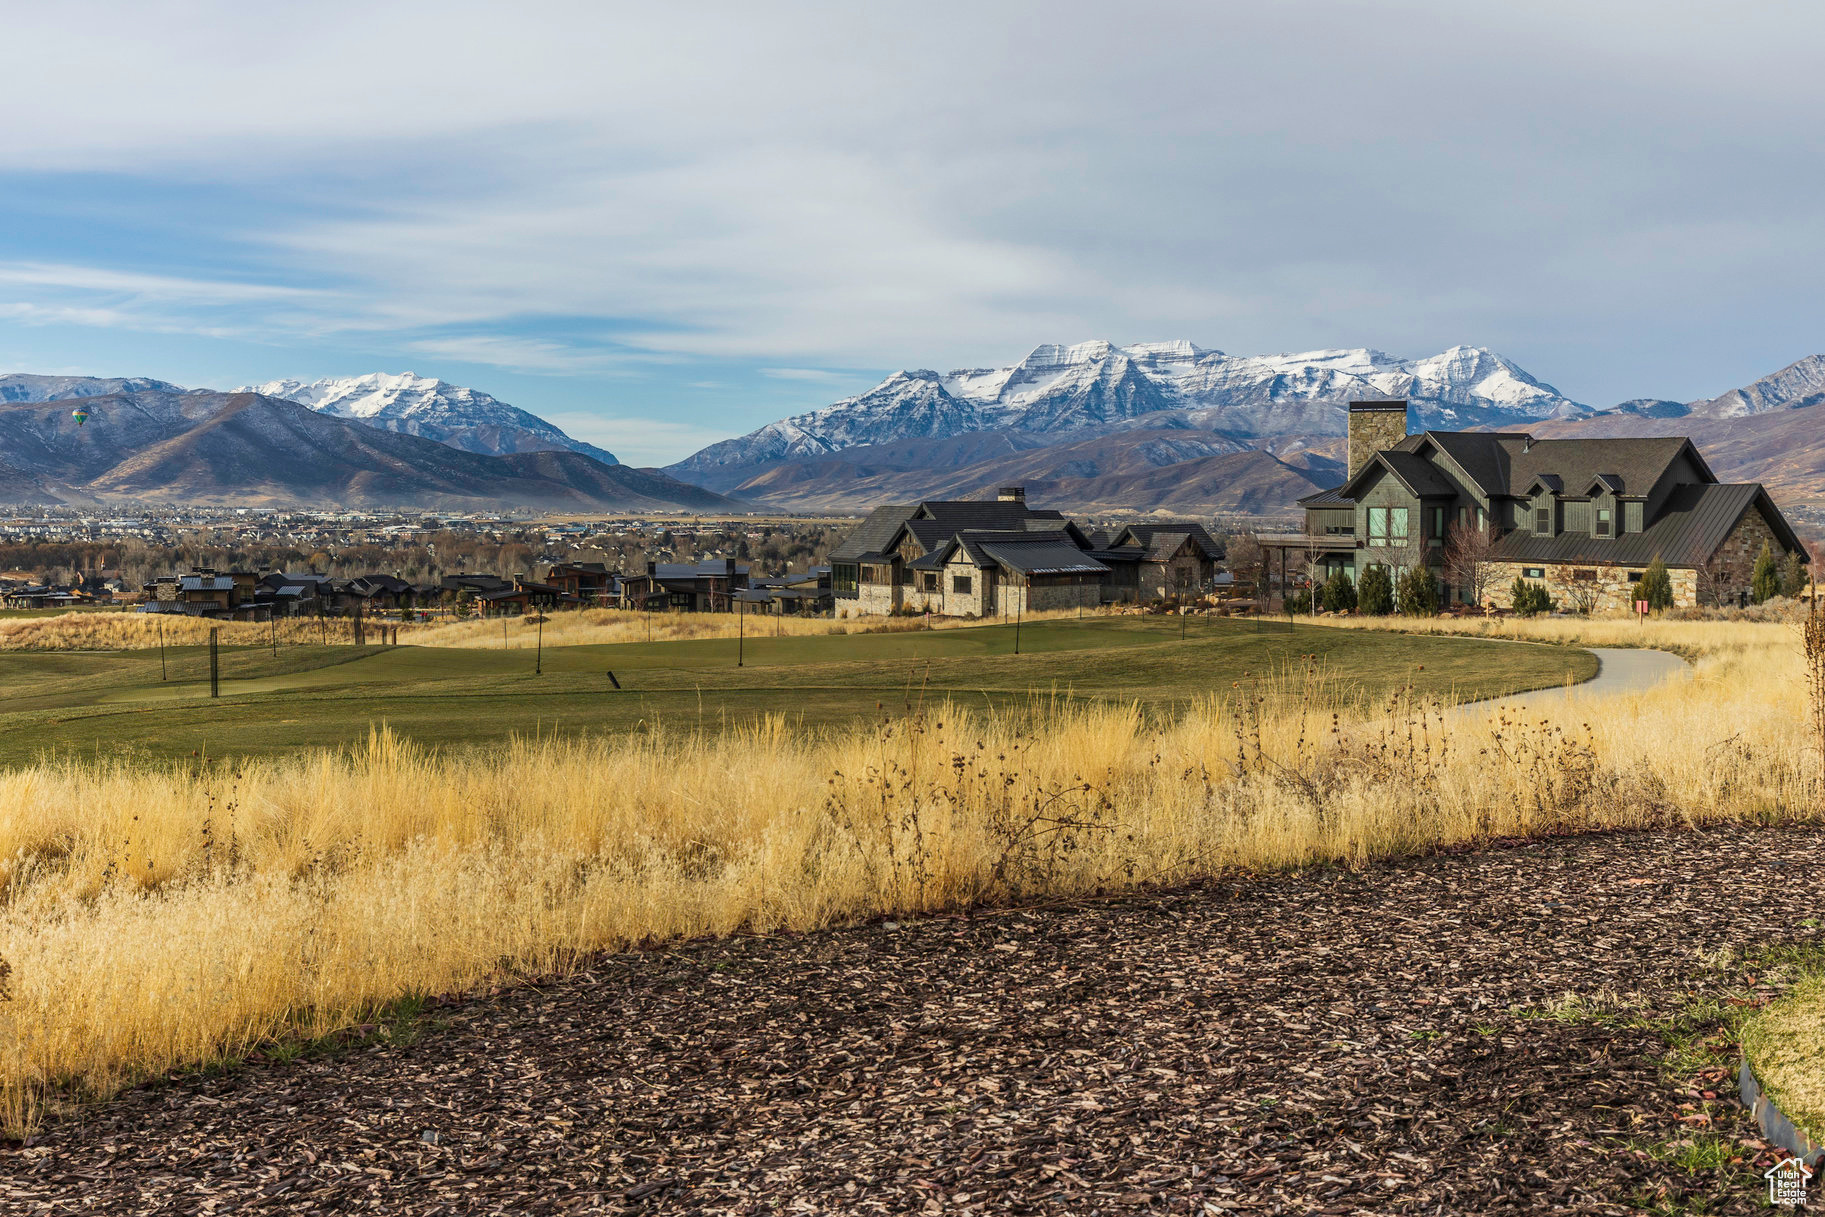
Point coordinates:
[[960, 584], [1438, 525], [1387, 525], [843, 580]]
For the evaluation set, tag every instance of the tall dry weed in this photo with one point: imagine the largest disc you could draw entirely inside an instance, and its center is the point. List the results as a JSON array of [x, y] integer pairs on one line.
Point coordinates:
[[159, 917]]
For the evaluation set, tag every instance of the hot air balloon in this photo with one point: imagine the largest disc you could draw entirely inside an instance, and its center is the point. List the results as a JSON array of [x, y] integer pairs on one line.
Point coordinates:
[[80, 415]]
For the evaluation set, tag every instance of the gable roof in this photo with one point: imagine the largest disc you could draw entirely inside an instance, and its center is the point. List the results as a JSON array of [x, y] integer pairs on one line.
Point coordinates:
[[1507, 462], [1696, 520], [958, 514], [873, 535], [1161, 540], [1416, 473]]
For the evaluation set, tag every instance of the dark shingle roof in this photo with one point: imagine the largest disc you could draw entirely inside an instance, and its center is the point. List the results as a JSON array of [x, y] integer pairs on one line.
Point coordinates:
[[1507, 462], [1162, 539], [1415, 472], [933, 521], [872, 534], [1334, 497], [1695, 522]]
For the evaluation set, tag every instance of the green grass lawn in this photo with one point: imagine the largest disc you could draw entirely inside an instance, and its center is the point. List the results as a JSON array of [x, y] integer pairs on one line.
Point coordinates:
[[117, 703]]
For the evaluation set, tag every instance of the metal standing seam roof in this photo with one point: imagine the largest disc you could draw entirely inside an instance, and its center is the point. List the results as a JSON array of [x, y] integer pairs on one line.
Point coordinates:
[[1043, 557], [1695, 521], [205, 583]]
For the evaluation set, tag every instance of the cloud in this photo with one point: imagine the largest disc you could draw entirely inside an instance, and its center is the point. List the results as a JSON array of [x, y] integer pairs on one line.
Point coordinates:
[[791, 191]]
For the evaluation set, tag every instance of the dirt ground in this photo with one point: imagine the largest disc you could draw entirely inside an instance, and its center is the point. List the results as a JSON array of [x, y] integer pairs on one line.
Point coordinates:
[[1392, 1041]]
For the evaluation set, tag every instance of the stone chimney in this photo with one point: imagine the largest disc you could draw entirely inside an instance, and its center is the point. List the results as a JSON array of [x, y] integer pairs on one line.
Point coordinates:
[[1012, 494], [1374, 425]]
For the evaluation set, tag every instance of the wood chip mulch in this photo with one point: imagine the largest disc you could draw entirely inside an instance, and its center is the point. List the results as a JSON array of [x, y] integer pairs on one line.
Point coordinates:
[[1321, 1043]]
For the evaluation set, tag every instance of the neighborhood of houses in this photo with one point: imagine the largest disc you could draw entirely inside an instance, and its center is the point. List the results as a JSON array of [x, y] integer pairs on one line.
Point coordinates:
[[1482, 516]]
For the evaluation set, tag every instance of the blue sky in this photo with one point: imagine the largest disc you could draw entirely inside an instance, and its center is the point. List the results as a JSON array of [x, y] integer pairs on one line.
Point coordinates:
[[660, 226]]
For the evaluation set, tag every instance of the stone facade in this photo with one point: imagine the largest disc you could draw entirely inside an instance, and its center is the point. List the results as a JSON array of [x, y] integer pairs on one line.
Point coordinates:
[[1181, 575], [1590, 588], [1054, 592], [1373, 427], [1727, 579], [1729, 576]]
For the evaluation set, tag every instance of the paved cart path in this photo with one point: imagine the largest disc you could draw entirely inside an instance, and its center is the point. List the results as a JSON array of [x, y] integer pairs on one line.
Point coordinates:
[[1622, 670], [1394, 1040]]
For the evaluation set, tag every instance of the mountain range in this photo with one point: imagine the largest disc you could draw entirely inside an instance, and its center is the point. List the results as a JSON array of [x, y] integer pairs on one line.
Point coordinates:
[[1173, 427], [164, 444], [435, 409], [1158, 427]]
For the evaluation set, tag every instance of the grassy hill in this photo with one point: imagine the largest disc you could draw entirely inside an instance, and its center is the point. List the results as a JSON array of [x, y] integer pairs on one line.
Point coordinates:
[[116, 704]]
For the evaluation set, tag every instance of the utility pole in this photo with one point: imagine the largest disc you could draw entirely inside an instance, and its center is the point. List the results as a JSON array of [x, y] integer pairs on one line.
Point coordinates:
[[215, 685], [161, 649], [741, 630], [538, 661], [274, 623], [1018, 606]]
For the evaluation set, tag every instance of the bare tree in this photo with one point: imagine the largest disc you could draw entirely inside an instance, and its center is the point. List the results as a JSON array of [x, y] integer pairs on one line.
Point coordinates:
[[1245, 563], [1469, 563], [1583, 595]]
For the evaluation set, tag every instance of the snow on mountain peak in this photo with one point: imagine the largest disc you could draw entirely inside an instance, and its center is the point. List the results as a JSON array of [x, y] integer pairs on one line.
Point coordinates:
[[424, 405], [1093, 387]]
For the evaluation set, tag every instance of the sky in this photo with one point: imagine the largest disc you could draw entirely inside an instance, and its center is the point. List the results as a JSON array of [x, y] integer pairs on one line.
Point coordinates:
[[662, 225]]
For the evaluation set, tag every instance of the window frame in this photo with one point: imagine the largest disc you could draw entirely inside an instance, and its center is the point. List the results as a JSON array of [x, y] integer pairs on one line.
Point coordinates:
[[962, 585]]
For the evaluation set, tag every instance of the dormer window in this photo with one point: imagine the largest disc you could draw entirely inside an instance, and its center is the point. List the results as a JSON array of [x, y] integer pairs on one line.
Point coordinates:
[[1603, 525], [1543, 520]]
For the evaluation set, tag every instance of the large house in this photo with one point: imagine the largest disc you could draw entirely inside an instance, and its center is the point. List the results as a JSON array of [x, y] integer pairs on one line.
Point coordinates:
[[1584, 517], [709, 586], [1002, 558]]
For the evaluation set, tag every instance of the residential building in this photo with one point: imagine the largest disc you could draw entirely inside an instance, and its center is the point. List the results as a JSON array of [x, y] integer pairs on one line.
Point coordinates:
[[1153, 561], [589, 582], [1583, 517], [685, 587], [872, 570]]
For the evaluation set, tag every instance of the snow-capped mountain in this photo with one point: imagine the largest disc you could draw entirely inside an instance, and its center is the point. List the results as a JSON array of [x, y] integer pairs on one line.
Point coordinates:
[[434, 409], [1097, 387], [25, 386], [1794, 387]]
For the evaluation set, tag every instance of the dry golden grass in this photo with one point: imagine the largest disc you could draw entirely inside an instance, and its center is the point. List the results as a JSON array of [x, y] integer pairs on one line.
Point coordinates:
[[155, 918], [141, 631], [138, 631], [1786, 1043], [588, 627], [1692, 639]]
